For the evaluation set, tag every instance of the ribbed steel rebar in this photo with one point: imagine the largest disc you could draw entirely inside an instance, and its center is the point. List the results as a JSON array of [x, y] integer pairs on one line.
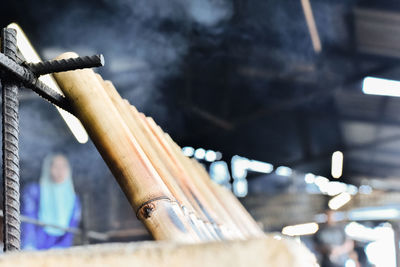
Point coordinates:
[[51, 66], [11, 205], [29, 80]]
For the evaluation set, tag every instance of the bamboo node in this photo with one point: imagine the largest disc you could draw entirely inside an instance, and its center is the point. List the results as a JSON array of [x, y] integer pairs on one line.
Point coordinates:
[[145, 210]]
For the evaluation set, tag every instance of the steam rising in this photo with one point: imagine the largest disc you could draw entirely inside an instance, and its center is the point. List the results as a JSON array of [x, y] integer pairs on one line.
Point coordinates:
[[209, 12], [144, 44]]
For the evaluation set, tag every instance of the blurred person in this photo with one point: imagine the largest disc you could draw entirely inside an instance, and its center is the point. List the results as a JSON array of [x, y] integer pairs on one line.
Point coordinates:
[[332, 243], [52, 201]]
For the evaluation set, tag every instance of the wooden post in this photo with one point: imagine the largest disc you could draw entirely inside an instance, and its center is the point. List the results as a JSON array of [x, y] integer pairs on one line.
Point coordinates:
[[267, 251]]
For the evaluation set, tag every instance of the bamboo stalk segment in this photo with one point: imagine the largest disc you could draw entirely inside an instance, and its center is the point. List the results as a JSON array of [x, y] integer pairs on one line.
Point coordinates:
[[227, 232], [125, 111], [241, 213], [170, 170], [212, 221], [163, 157], [212, 201], [171, 194], [229, 214], [238, 213], [145, 190], [228, 205]]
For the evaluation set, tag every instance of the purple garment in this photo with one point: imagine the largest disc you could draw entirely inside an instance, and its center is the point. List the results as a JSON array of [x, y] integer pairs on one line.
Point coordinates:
[[34, 236]]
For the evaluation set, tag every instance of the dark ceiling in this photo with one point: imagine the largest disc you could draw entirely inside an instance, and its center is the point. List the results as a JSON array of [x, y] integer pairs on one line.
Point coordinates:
[[242, 77]]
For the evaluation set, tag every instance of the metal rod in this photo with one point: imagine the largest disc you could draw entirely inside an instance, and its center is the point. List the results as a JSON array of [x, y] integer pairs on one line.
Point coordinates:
[[91, 234], [66, 64], [10, 158], [29, 80], [13, 75]]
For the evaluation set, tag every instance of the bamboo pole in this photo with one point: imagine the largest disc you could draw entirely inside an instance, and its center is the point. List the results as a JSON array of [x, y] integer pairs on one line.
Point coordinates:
[[163, 183], [243, 214], [229, 213], [180, 174], [228, 205], [227, 197], [174, 172], [192, 176], [125, 110], [209, 218], [145, 190]]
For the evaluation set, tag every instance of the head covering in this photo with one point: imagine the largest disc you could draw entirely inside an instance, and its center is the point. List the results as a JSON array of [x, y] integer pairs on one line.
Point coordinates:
[[57, 200]]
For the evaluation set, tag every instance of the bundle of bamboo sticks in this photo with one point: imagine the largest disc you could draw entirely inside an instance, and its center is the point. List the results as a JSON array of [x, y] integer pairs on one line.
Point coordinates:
[[171, 194]]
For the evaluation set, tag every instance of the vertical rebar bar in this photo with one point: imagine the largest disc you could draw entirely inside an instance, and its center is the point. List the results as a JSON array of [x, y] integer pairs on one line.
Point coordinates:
[[11, 206]]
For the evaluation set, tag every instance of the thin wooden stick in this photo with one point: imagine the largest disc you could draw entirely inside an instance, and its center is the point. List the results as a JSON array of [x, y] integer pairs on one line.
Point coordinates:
[[312, 27], [145, 190]]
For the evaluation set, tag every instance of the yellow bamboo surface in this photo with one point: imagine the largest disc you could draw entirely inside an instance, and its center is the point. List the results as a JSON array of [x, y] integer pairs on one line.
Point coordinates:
[[188, 200], [171, 194], [180, 174], [145, 190], [227, 208], [233, 230], [125, 111], [229, 199]]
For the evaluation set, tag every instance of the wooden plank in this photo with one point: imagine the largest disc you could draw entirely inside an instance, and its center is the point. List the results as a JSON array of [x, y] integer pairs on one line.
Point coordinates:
[[268, 251]]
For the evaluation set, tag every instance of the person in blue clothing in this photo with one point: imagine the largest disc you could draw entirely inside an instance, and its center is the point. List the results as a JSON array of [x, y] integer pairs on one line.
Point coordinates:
[[52, 201]]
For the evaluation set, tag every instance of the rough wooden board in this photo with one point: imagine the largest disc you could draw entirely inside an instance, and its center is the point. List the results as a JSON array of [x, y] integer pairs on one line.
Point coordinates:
[[258, 252]]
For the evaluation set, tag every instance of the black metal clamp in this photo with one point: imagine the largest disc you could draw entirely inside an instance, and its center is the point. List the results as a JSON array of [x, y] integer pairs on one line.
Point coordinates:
[[13, 75]]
